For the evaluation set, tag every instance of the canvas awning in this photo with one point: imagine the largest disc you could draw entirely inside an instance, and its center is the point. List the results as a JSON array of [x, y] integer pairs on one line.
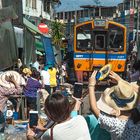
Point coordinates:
[[8, 47], [29, 49], [39, 46], [34, 28]]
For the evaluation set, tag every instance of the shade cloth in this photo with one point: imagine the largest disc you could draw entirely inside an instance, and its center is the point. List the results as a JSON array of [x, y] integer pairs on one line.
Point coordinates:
[[8, 47]]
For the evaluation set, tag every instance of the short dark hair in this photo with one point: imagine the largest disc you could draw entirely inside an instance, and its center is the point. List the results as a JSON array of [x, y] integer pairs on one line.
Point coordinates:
[[33, 69], [57, 107], [35, 74]]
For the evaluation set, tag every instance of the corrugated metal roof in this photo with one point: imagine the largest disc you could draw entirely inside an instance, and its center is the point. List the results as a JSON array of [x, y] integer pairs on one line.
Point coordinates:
[[72, 5]]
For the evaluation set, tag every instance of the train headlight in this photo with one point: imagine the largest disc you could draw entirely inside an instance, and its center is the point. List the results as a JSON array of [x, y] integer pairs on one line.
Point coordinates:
[[119, 66]]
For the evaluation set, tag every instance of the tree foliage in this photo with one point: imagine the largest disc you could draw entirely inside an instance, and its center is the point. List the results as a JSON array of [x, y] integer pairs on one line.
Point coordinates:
[[57, 32]]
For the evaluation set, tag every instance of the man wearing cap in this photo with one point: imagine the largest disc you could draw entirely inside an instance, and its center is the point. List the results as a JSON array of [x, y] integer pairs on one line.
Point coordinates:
[[117, 110]]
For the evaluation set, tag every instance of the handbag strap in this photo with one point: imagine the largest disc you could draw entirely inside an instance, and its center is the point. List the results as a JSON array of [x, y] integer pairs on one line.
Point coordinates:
[[51, 138]]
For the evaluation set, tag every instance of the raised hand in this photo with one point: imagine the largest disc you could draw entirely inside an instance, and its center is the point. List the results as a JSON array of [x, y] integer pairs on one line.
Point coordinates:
[[30, 132], [92, 79], [77, 104], [114, 76], [11, 79]]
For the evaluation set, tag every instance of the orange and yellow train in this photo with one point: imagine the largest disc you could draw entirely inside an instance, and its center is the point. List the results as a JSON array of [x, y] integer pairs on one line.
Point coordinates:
[[97, 43]]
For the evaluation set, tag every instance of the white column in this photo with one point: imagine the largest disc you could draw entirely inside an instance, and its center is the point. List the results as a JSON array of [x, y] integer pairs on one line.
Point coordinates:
[[0, 4], [76, 17], [63, 16], [100, 14]]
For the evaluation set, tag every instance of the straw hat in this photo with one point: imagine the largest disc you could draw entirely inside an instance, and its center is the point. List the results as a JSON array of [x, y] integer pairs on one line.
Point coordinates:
[[120, 97], [19, 79]]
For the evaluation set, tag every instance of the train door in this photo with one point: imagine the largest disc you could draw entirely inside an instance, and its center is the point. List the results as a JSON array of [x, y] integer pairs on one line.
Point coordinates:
[[100, 47]]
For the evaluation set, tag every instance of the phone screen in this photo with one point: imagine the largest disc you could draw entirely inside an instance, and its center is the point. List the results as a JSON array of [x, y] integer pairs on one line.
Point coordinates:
[[78, 88], [33, 118], [98, 75], [49, 124]]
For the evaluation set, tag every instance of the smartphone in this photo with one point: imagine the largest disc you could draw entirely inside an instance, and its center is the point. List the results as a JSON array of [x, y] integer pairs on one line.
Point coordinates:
[[78, 88], [39, 133], [33, 118], [138, 82], [98, 75]]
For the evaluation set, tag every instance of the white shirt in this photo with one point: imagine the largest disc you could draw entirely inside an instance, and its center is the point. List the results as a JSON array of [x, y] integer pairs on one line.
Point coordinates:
[[45, 77], [135, 48], [74, 129], [63, 70], [36, 65]]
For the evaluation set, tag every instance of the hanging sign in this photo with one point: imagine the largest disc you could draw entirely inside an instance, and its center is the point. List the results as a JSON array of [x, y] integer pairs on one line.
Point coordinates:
[[43, 28]]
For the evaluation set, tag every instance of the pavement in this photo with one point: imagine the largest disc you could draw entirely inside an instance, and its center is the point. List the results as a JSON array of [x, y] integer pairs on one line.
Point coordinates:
[[85, 107]]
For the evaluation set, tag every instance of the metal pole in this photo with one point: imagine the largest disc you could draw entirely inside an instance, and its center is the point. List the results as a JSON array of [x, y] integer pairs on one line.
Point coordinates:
[[138, 4], [100, 12], [75, 18], [138, 24]]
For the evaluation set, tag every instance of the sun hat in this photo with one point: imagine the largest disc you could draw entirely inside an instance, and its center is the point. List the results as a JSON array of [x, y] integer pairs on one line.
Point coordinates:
[[121, 97], [19, 79]]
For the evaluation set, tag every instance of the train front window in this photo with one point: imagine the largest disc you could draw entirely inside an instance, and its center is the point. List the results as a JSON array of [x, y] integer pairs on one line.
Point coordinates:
[[116, 38], [83, 42], [99, 41], [99, 38]]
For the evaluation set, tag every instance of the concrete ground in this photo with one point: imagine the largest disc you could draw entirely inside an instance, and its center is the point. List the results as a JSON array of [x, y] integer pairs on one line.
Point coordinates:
[[85, 107]]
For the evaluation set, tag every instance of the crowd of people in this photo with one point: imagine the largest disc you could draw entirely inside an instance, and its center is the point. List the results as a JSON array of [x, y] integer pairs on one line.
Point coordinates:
[[116, 113], [115, 116], [133, 64], [31, 82]]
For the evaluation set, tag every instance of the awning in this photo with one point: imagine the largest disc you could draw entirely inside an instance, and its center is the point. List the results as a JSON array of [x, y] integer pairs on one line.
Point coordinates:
[[8, 47], [34, 28], [39, 46]]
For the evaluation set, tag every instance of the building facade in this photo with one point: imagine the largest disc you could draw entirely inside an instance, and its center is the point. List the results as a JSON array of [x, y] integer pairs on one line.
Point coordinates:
[[35, 10], [127, 13], [86, 12]]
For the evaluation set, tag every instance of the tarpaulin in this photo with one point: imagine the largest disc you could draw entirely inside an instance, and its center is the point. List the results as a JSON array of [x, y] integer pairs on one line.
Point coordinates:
[[29, 49], [8, 48], [57, 54], [19, 36], [49, 54], [39, 45]]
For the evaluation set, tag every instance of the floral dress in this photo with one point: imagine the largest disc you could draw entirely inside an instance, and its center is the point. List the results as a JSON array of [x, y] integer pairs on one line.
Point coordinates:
[[120, 129]]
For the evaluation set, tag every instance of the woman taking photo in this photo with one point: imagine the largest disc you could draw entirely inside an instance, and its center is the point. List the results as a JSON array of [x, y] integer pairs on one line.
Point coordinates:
[[58, 109], [118, 108]]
